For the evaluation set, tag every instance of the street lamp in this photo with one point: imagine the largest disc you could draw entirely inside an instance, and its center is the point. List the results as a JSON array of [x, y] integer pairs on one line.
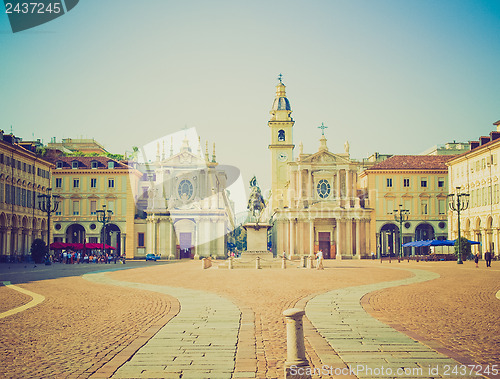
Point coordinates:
[[458, 204], [103, 216], [48, 204], [401, 215]]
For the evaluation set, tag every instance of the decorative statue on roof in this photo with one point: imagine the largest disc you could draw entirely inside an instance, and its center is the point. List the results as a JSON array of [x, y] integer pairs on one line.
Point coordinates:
[[256, 203]]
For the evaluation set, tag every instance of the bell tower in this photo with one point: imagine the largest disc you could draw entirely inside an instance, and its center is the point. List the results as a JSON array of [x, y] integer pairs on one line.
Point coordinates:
[[281, 126]]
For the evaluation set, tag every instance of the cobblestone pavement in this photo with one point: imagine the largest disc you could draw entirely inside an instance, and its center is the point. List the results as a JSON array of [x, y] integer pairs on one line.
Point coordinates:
[[77, 329], [458, 312], [199, 342], [84, 328]]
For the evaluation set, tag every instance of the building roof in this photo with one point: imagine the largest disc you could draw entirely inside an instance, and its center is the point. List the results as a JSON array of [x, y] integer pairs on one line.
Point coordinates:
[[86, 162], [413, 162]]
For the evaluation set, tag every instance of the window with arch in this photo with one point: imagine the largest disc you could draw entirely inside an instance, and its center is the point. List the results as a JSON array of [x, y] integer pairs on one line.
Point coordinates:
[[281, 135], [323, 188], [185, 188]]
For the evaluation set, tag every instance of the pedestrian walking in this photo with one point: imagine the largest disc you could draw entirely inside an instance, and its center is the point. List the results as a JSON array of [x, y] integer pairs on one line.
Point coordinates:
[[487, 258], [319, 264], [476, 260]]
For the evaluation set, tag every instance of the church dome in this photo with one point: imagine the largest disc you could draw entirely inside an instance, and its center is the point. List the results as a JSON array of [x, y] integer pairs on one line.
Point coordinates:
[[281, 104]]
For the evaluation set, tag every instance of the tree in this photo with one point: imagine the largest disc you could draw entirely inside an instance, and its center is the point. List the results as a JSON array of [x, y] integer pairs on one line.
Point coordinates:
[[465, 247], [38, 250]]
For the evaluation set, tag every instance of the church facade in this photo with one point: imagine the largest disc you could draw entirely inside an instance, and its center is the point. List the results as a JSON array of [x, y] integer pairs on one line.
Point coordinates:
[[314, 200], [185, 204]]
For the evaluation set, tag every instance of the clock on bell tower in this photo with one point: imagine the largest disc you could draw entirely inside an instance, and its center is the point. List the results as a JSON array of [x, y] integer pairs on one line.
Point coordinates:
[[281, 126]]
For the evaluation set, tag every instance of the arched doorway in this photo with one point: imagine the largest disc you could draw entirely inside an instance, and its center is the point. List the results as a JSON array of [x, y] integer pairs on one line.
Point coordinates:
[[185, 230], [75, 234], [113, 237], [388, 240], [423, 232]]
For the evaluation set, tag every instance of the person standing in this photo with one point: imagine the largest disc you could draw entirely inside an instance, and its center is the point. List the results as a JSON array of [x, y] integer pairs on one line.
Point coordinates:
[[319, 265], [476, 260], [487, 258]]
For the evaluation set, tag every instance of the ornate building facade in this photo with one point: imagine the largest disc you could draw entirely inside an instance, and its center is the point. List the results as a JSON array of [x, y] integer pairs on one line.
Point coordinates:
[[85, 185], [419, 183], [23, 176], [188, 213], [314, 201], [477, 173]]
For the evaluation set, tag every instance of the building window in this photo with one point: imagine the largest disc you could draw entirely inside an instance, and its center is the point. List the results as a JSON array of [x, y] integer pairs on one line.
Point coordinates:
[[442, 207], [185, 189], [323, 188], [59, 164], [406, 182], [111, 164], [389, 207], [93, 182], [281, 135], [111, 183], [423, 183], [424, 207], [74, 164], [58, 182], [389, 182], [440, 183], [76, 183], [93, 207], [76, 208], [140, 239], [94, 164]]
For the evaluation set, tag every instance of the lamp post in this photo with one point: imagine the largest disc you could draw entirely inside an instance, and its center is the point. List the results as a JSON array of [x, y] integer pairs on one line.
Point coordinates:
[[458, 204], [49, 204], [103, 216], [401, 215]]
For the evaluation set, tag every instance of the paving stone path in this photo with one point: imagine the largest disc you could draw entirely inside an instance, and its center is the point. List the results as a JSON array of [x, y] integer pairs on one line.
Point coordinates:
[[200, 342], [371, 348]]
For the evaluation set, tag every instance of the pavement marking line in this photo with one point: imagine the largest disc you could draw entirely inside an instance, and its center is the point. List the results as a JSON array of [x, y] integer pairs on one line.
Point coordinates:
[[199, 342], [368, 345], [36, 299]]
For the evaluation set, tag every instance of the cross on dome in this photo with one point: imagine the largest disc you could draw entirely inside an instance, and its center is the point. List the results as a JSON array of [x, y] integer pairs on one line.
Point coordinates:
[[322, 127]]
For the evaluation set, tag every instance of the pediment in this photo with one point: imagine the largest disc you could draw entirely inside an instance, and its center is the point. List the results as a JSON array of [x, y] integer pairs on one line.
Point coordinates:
[[185, 158], [325, 157]]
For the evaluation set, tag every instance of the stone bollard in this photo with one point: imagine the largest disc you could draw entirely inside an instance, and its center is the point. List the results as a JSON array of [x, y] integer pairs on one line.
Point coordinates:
[[204, 263], [230, 263], [302, 261], [257, 263], [283, 262], [310, 261], [295, 348]]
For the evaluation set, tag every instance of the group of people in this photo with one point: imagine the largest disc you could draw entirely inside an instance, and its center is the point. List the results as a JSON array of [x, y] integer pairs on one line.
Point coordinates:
[[319, 259], [71, 257], [487, 258]]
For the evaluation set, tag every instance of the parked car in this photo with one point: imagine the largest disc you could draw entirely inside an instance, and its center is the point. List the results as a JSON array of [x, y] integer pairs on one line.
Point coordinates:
[[152, 257]]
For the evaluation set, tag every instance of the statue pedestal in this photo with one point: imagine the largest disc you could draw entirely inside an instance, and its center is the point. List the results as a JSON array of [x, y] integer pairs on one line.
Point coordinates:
[[256, 238]]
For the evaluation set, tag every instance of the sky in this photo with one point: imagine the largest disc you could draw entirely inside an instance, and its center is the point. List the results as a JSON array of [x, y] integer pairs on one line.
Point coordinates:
[[389, 76]]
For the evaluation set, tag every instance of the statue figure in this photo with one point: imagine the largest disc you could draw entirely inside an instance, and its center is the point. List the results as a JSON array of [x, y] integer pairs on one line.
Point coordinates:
[[256, 203], [346, 147]]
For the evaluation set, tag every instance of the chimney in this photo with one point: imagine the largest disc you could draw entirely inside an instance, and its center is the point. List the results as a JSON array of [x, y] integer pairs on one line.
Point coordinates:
[[484, 140], [474, 144], [494, 135], [498, 125]]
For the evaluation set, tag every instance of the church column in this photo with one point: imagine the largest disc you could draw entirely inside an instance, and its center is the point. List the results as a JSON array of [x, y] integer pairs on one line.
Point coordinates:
[[311, 236], [338, 184], [301, 182], [495, 241], [358, 239], [150, 230], [348, 187], [368, 249], [484, 242], [349, 236], [292, 238], [172, 250], [339, 239], [311, 185]]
